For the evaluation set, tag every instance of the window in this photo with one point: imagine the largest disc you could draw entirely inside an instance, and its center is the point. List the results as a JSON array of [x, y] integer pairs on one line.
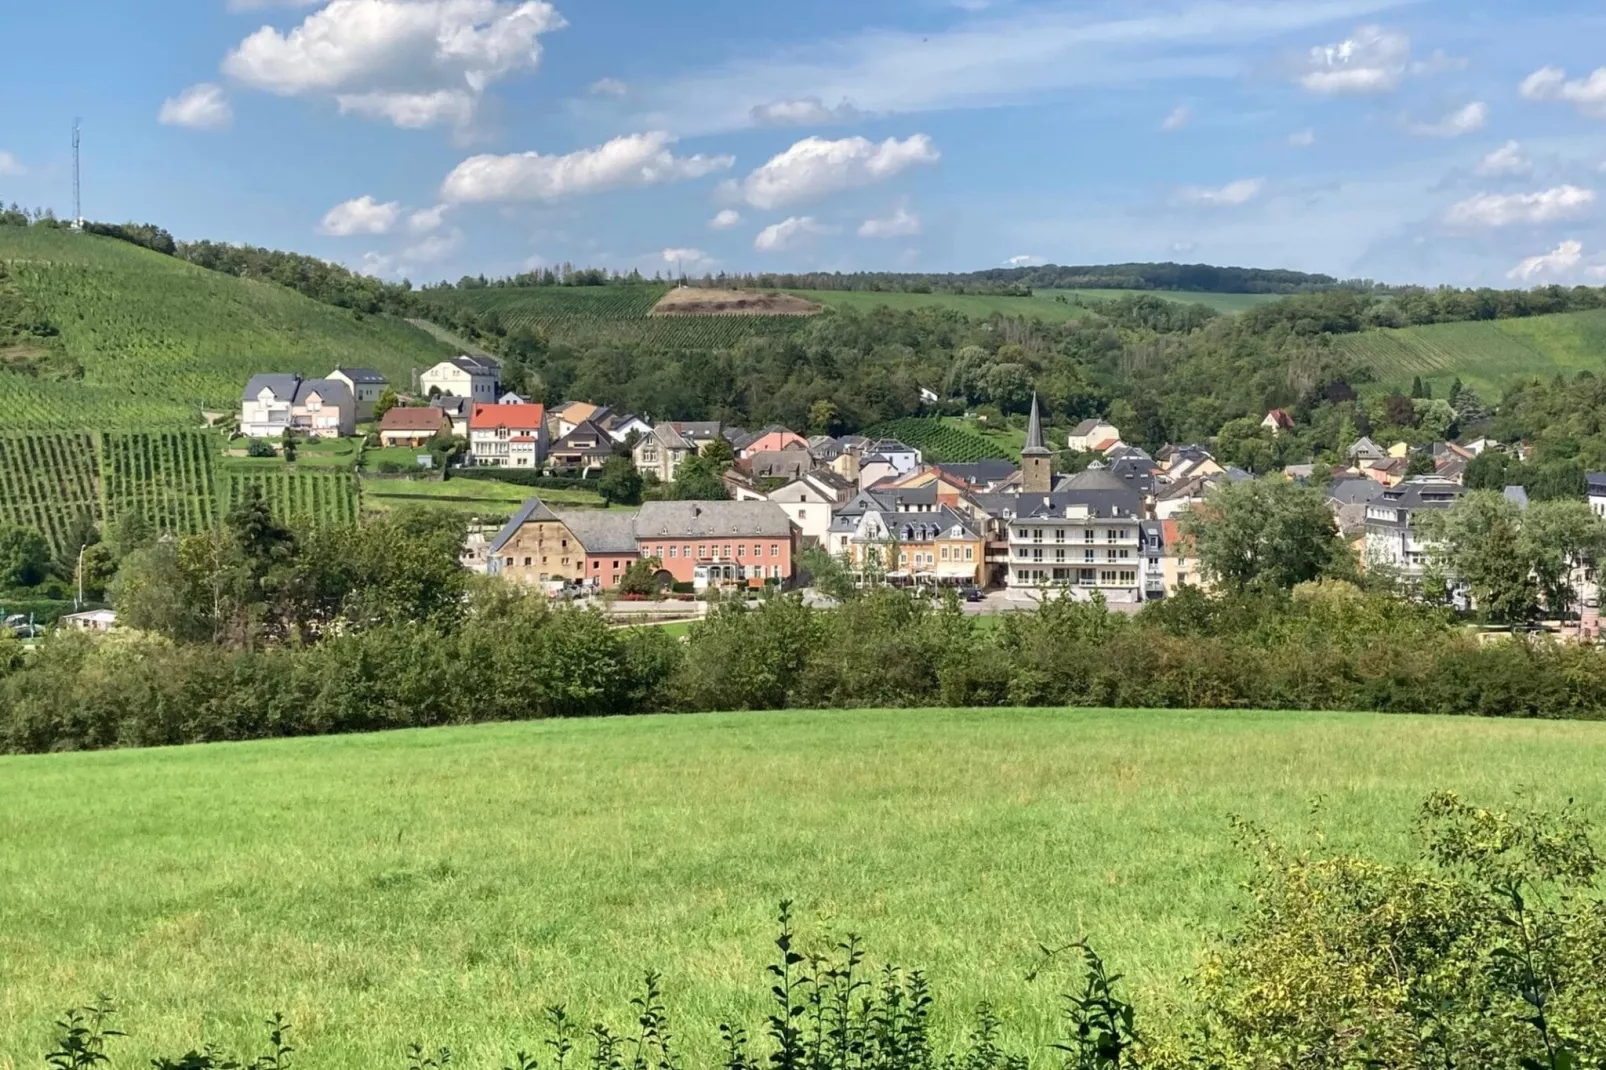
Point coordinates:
[[508, 562], [1107, 579], [727, 550], [685, 551], [741, 551], [802, 514], [702, 551], [1129, 578], [970, 553], [672, 551], [945, 553], [616, 564], [596, 566], [775, 549]]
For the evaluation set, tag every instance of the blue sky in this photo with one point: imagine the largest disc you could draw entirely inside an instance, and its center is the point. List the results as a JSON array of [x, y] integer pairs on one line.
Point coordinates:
[[1428, 141]]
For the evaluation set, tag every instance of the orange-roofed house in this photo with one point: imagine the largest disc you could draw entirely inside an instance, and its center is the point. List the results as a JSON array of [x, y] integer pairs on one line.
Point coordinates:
[[1277, 421], [508, 436], [773, 440], [1180, 565]]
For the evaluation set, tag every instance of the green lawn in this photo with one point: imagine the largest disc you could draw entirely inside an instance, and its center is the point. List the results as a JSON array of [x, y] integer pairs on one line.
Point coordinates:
[[444, 885], [485, 498]]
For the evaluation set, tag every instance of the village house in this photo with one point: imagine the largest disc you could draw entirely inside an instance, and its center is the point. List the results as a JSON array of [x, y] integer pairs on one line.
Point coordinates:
[[316, 408], [412, 427], [884, 536], [1391, 537], [457, 410], [808, 502], [1277, 421], [785, 464], [536, 549], [660, 452], [1093, 436], [1596, 492], [1179, 563], [582, 449], [699, 433], [1083, 539], [475, 378], [904, 459], [739, 486], [607, 542], [772, 439], [365, 385], [620, 426], [718, 543], [566, 417], [508, 436]]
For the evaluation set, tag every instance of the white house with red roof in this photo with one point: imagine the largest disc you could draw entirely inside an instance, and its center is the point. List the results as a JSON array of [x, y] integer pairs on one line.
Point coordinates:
[[508, 436]]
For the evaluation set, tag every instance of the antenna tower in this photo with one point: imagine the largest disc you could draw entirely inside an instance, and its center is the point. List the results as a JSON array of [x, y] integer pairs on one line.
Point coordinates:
[[77, 195]]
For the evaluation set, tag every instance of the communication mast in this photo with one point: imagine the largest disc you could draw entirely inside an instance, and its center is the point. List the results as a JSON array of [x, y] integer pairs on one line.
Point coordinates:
[[77, 195]]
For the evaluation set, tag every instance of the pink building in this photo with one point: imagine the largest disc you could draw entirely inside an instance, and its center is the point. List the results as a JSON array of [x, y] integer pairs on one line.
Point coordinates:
[[716, 543]]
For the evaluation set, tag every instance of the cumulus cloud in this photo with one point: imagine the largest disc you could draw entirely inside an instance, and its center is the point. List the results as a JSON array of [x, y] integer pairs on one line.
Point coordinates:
[[10, 165], [1559, 261], [685, 257], [815, 168], [725, 219], [789, 234], [1506, 160], [426, 220], [1232, 194], [1302, 139], [1506, 209], [1371, 60], [1177, 119], [362, 215], [608, 87], [1025, 260], [1467, 120], [632, 160], [200, 107], [807, 111], [410, 62], [902, 223], [1551, 83], [431, 249]]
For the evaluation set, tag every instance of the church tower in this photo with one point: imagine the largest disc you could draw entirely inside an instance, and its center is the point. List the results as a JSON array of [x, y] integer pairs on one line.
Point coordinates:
[[1036, 462]]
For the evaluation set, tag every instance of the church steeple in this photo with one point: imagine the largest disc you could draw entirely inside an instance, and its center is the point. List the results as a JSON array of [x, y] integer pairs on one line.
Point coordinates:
[[1036, 460]]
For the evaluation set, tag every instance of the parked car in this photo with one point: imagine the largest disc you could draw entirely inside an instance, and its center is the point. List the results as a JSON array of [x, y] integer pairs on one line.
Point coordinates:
[[972, 594], [18, 625]]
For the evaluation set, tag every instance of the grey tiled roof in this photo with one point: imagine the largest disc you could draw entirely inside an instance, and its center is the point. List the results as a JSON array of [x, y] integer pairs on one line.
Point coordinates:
[[712, 520], [602, 532], [534, 509], [282, 385], [362, 375]]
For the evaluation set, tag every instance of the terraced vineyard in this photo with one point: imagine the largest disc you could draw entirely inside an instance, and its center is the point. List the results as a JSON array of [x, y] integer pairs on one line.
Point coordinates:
[[47, 481], [619, 315], [936, 440], [1488, 355], [168, 475], [159, 339], [318, 495]]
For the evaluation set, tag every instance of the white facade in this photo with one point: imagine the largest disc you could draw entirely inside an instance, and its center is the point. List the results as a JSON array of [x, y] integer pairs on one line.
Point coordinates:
[[1078, 551], [365, 389], [476, 382], [808, 507], [1089, 433], [264, 416]]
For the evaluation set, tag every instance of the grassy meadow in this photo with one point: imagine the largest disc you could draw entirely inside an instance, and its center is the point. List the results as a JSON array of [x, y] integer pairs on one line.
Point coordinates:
[[489, 500], [445, 885], [1043, 304]]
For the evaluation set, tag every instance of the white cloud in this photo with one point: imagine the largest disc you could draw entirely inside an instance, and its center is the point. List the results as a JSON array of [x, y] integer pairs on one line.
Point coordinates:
[[1505, 209], [808, 111], [998, 57], [1232, 194], [608, 87], [1559, 261], [685, 257], [362, 215], [1025, 260], [1467, 120], [1302, 139], [815, 168], [411, 62], [789, 234], [1506, 160], [431, 249], [426, 220], [1371, 60], [1183, 248], [200, 107], [1550, 83], [632, 160], [10, 165], [725, 219], [412, 111], [902, 223], [1439, 63], [1177, 119]]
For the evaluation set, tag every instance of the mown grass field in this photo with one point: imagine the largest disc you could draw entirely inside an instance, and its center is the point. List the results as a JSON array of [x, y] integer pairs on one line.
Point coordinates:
[[1487, 356], [489, 500], [445, 885], [160, 339]]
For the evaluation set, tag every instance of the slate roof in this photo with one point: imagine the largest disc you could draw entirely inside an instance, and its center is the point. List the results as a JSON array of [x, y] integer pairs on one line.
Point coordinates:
[[602, 532], [780, 464], [1034, 433], [366, 376], [1596, 482], [424, 419], [697, 430], [282, 385], [978, 473], [454, 407], [477, 365], [534, 509], [698, 520], [1355, 490]]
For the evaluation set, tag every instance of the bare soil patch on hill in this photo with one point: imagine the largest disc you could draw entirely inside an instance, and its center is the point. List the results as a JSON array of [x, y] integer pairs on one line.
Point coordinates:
[[692, 301]]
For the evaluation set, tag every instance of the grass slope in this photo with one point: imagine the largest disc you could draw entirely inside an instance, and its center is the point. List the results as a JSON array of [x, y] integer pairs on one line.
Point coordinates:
[[1487, 356], [444, 885], [160, 339]]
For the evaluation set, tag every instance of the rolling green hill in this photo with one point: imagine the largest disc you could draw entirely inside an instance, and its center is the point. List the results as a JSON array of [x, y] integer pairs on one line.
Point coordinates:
[[158, 339], [1051, 306], [1487, 355]]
